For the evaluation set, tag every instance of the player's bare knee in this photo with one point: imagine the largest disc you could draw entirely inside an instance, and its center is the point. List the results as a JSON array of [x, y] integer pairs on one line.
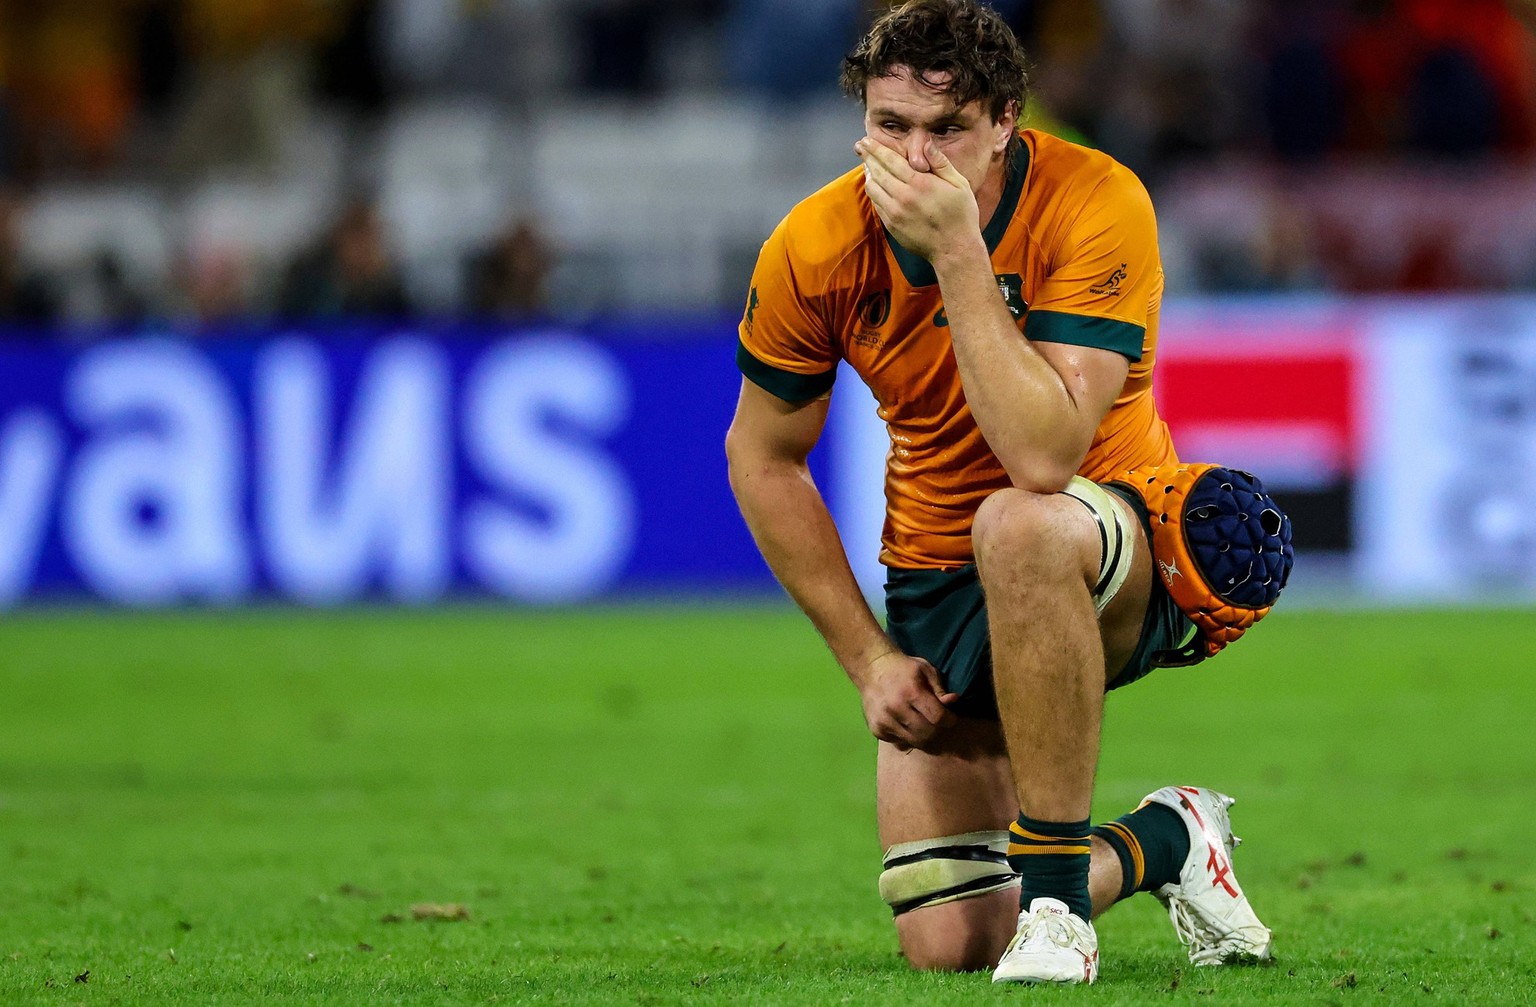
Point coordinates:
[[963, 936], [1019, 532], [948, 949], [1006, 525]]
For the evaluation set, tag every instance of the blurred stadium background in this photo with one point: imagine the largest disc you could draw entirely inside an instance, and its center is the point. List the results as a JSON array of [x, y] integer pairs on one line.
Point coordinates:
[[389, 303], [338, 300]]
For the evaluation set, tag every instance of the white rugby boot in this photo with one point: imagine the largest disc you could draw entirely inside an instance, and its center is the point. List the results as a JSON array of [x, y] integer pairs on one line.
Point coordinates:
[[1209, 911], [1052, 945]]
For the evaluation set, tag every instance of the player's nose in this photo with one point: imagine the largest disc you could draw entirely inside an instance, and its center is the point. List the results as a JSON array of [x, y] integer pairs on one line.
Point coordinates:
[[917, 150]]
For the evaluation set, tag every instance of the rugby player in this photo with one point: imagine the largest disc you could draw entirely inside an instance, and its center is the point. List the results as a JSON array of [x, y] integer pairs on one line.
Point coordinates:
[[998, 291]]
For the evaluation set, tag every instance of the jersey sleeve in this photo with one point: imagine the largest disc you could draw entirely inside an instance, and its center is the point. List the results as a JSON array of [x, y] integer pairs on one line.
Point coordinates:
[[1106, 279], [785, 346]]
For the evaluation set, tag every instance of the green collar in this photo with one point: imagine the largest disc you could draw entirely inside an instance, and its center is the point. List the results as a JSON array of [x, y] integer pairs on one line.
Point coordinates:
[[919, 272]]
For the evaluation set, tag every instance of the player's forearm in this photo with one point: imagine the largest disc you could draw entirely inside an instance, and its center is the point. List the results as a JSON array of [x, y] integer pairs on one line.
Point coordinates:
[[1026, 412], [794, 531]]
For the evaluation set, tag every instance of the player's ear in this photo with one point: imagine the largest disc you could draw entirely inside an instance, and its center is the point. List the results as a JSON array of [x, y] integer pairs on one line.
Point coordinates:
[[1007, 124]]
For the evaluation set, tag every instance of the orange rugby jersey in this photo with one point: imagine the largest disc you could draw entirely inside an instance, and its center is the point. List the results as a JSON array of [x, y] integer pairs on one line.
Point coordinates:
[[1074, 249]]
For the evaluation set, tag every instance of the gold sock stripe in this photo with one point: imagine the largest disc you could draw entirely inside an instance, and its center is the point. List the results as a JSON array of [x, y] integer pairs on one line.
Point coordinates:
[[1014, 849], [1024, 833], [1138, 859]]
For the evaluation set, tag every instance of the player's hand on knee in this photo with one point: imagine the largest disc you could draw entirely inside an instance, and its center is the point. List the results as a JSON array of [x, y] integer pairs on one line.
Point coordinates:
[[905, 702]]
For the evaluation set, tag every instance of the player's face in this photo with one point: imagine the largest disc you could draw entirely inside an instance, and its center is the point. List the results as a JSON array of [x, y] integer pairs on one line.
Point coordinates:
[[904, 113]]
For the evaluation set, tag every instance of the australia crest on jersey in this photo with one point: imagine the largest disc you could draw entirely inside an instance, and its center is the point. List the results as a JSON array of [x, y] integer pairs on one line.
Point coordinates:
[[1012, 287]]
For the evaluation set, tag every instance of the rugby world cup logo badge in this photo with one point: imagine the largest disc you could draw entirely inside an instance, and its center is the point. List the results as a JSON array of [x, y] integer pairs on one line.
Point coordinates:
[[873, 311]]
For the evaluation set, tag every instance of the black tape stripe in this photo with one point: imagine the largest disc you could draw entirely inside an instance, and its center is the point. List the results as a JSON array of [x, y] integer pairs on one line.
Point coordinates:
[[990, 881], [984, 854], [1114, 561], [1106, 570]]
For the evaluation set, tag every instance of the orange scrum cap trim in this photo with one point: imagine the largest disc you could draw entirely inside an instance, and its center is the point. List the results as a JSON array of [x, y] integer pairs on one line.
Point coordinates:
[[1222, 547]]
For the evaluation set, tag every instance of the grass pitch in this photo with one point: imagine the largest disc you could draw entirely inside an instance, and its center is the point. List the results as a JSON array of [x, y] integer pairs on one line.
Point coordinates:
[[663, 805]]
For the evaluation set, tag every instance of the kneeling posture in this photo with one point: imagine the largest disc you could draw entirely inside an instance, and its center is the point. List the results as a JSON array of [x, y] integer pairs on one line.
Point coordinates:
[[998, 291]]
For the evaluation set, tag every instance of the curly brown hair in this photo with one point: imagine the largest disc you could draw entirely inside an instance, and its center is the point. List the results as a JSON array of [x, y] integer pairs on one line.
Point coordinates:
[[969, 42]]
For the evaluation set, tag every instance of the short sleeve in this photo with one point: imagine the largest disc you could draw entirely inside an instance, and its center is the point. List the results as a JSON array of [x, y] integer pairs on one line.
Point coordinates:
[[1106, 279], [784, 344]]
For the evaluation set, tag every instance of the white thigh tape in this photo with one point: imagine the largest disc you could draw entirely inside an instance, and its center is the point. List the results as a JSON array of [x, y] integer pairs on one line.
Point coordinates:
[[1118, 547]]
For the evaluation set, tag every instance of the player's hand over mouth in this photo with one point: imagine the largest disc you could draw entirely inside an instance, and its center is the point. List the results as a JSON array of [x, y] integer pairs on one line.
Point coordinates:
[[930, 212], [904, 701]]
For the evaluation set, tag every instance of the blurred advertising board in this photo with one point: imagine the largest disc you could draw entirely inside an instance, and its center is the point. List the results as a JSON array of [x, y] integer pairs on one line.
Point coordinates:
[[1452, 452], [409, 465], [372, 464]]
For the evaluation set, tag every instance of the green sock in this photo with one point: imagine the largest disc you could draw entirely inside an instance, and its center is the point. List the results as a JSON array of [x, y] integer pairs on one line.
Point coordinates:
[[1052, 861], [1152, 843]]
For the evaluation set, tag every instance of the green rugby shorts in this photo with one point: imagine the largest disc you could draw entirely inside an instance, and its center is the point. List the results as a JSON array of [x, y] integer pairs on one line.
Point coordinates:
[[941, 616]]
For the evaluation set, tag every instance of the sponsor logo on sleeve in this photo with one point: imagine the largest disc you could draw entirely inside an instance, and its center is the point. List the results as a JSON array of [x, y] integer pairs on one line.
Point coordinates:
[[751, 308], [1111, 285]]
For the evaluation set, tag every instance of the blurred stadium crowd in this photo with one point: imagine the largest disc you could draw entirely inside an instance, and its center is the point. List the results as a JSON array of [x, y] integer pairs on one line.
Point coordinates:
[[210, 161]]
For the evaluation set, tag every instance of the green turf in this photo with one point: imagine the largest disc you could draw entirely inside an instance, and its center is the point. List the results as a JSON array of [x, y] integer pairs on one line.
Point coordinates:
[[671, 805]]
